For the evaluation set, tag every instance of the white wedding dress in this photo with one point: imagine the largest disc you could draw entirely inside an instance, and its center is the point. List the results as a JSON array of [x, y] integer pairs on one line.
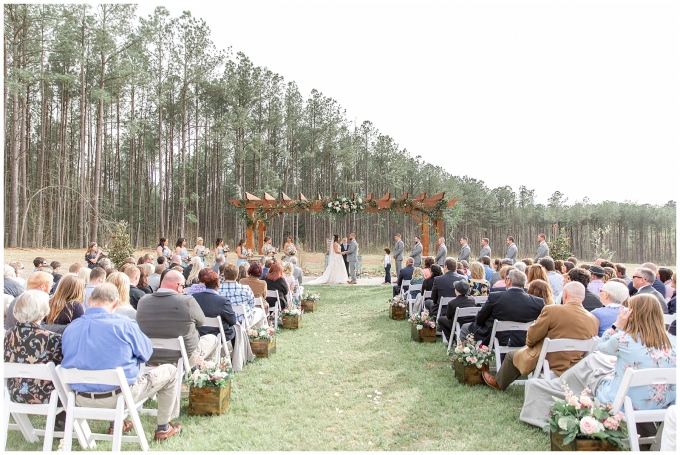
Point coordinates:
[[335, 273]]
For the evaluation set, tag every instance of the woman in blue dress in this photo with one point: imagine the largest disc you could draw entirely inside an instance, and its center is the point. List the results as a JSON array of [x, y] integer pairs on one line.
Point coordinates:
[[220, 248], [201, 251], [163, 250], [181, 250], [241, 252]]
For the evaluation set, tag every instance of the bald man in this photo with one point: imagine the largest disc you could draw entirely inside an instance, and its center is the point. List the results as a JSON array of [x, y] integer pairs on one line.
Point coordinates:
[[168, 313], [569, 320]]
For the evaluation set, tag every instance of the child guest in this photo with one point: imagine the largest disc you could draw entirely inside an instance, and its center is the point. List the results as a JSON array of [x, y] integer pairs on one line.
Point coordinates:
[[388, 265]]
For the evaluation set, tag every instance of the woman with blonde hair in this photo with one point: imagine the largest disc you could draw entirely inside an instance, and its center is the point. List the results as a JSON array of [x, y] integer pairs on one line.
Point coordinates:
[[536, 272], [66, 304], [288, 270], [201, 251], [122, 282], [196, 267], [609, 273], [541, 289], [479, 286], [84, 274], [503, 273]]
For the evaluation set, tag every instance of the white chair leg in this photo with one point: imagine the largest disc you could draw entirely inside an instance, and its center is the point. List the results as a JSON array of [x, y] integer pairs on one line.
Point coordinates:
[[49, 424], [118, 424], [68, 426], [5, 424], [26, 428]]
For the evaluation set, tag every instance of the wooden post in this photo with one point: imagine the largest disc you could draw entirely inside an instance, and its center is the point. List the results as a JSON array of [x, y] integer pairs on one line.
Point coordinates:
[[250, 234], [440, 225], [425, 234], [261, 227]]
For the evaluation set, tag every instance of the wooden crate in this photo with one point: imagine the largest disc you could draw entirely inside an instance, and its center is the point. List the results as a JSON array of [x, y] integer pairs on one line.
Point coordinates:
[[309, 306], [263, 348], [580, 445], [469, 374], [425, 335], [292, 322], [397, 313], [205, 401]]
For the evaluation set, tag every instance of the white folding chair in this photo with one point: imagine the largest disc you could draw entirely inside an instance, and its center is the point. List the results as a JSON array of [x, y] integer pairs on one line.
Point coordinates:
[[125, 406], [668, 319], [561, 345], [502, 326], [20, 411], [409, 297], [183, 367], [637, 378], [443, 302], [461, 313], [480, 299], [275, 308], [402, 291], [222, 347], [427, 295]]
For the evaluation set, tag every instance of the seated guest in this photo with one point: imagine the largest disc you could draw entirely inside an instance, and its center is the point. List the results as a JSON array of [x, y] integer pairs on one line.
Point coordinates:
[[154, 280], [297, 274], [18, 268], [191, 272], [657, 284], [612, 295], [536, 272], [488, 271], [253, 281], [162, 260], [27, 342], [503, 275], [582, 276], [435, 271], [125, 346], [671, 302], [215, 305], [541, 289], [512, 305], [67, 303], [122, 283], [528, 261], [406, 273], [554, 278], [242, 271], [241, 294], [569, 320], [12, 286], [56, 273], [40, 281], [265, 270], [168, 313], [496, 277], [462, 300], [597, 274], [417, 278], [428, 261], [443, 285], [275, 282], [145, 270], [97, 277], [462, 268], [621, 273], [478, 284], [638, 340], [288, 270], [643, 280], [219, 260], [665, 276], [521, 266], [134, 293], [83, 274]]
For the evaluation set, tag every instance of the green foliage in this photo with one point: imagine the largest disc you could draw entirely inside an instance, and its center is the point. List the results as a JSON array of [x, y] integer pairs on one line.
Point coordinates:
[[598, 239], [559, 248], [120, 247]]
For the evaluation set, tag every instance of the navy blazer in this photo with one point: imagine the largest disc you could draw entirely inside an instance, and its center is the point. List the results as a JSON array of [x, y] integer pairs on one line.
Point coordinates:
[[405, 273], [511, 305], [216, 306], [443, 287]]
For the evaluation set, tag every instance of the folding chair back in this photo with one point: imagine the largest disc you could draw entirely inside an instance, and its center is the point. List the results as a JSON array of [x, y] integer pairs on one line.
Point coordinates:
[[480, 299], [502, 326], [443, 302], [635, 378], [125, 406], [275, 308], [404, 284], [183, 367], [460, 313], [427, 294], [668, 319], [409, 297], [216, 322], [561, 345]]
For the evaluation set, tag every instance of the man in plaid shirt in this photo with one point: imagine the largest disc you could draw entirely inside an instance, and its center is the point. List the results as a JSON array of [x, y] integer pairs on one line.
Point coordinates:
[[240, 295]]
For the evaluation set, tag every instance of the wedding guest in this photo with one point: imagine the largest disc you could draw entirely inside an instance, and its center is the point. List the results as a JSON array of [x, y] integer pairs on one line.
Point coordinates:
[[242, 272], [612, 295], [191, 272], [417, 278], [427, 263], [145, 270], [121, 280], [536, 272], [581, 275], [154, 280], [541, 289], [259, 287], [528, 261], [500, 284], [609, 273], [39, 281], [240, 294], [67, 303], [566, 266], [214, 305], [12, 286], [265, 270], [554, 279], [671, 302], [428, 283], [18, 268], [462, 300], [201, 251], [297, 273], [488, 271], [84, 274], [387, 265], [478, 284], [288, 270], [97, 277], [664, 275], [181, 251], [275, 282], [219, 262]]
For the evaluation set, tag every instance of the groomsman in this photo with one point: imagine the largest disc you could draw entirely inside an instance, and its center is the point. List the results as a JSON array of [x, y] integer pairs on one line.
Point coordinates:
[[417, 252], [486, 249], [543, 249], [464, 254], [441, 252], [343, 248], [398, 253], [511, 253]]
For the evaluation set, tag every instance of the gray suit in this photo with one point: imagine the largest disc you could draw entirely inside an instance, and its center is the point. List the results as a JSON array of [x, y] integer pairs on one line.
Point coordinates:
[[486, 251], [650, 290], [542, 251], [398, 255], [512, 253], [352, 252], [417, 254], [441, 254], [464, 254]]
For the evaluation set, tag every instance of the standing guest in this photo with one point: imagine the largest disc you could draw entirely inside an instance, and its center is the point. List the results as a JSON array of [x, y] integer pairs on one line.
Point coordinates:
[[219, 262], [643, 282], [168, 313], [429, 282], [201, 251], [511, 252], [398, 253], [664, 275], [590, 301], [442, 251], [27, 342], [143, 283], [536, 272], [122, 283], [485, 251], [154, 280], [220, 250], [181, 251], [387, 265], [126, 347], [417, 252], [92, 255], [215, 305], [191, 272], [67, 303], [97, 277], [554, 279], [12, 286], [404, 274], [478, 284], [596, 275], [259, 287], [462, 300], [242, 272], [488, 271], [428, 261], [464, 254], [241, 252], [18, 268], [275, 282], [162, 249], [241, 294], [612, 295], [543, 249], [541, 289], [621, 272]]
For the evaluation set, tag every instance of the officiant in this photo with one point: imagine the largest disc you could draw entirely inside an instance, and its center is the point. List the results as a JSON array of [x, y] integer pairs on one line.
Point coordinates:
[[343, 248]]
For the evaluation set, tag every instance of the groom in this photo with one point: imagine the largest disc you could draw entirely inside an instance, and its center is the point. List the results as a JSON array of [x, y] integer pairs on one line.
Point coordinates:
[[343, 248], [351, 255]]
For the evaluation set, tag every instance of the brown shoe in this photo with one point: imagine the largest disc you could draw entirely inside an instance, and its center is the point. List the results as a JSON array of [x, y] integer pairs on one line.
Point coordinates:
[[352, 282], [173, 429], [490, 380], [127, 426]]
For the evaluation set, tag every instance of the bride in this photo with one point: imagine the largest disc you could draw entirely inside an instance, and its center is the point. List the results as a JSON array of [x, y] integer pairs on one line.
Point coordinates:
[[335, 273]]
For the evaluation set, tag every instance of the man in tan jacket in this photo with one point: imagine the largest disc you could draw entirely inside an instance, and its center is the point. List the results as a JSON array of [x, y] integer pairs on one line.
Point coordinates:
[[569, 320]]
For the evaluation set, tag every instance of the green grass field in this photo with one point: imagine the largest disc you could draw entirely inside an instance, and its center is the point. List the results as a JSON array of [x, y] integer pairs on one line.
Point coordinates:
[[318, 392]]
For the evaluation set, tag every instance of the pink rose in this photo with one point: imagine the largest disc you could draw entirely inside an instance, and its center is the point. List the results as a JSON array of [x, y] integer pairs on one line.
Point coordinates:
[[589, 425], [573, 401], [586, 401], [611, 423]]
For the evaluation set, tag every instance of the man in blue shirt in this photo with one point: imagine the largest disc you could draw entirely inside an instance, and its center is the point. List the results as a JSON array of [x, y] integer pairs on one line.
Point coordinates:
[[488, 271], [102, 340]]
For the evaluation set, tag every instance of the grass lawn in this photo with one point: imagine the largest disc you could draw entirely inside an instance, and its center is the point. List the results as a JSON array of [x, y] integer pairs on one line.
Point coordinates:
[[318, 392]]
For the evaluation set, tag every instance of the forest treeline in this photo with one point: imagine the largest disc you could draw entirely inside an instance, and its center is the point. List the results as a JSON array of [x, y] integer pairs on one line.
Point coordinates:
[[112, 117]]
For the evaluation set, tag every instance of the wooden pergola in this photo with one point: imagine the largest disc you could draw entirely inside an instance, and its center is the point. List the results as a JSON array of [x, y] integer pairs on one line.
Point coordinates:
[[427, 211]]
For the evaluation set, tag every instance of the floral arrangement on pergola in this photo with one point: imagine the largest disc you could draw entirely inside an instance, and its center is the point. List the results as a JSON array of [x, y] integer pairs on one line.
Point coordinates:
[[427, 211]]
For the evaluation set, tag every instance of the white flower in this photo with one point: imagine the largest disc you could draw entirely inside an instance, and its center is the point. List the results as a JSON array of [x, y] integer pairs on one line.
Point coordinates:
[[359, 200], [330, 204], [419, 327]]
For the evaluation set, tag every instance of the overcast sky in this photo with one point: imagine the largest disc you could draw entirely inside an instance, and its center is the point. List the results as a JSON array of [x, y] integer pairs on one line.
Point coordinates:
[[581, 97]]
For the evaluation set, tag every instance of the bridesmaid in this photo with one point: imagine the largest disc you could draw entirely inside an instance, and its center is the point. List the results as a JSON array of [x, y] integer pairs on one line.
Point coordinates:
[[241, 253], [201, 251], [163, 250], [181, 250], [267, 249], [220, 248], [289, 249]]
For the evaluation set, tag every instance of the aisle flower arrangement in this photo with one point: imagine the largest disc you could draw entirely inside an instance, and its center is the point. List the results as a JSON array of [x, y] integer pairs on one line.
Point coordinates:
[[422, 321], [342, 206], [261, 333], [582, 417], [397, 307], [209, 388], [262, 341], [470, 353], [422, 327], [311, 297], [397, 302], [210, 374], [292, 317]]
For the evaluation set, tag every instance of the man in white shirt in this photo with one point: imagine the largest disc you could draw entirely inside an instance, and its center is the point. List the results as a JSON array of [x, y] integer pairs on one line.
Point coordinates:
[[554, 279]]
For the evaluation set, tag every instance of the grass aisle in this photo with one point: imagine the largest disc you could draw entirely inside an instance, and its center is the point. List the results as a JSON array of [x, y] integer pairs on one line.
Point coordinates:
[[318, 392]]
